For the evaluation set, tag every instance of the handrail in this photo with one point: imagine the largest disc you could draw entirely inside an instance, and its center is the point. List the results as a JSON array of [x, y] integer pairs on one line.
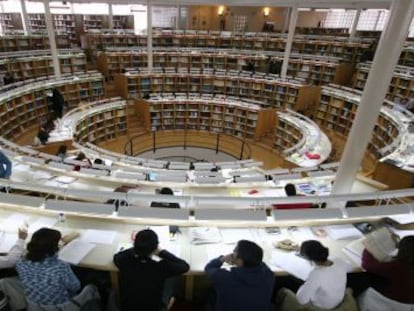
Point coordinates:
[[132, 146]]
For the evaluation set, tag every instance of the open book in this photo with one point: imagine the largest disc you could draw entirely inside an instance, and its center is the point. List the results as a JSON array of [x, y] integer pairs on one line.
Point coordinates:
[[379, 243]]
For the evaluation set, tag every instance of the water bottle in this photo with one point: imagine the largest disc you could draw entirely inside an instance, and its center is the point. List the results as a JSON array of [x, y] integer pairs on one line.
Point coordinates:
[[61, 218]]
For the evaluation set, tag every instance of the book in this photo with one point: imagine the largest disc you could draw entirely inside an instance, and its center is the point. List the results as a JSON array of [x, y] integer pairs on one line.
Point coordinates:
[[380, 244], [75, 251]]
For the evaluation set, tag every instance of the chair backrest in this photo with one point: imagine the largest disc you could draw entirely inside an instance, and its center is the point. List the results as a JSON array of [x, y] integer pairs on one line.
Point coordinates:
[[371, 300]]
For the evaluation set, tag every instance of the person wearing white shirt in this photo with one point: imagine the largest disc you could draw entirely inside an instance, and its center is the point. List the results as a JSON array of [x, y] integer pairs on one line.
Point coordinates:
[[325, 286], [9, 260]]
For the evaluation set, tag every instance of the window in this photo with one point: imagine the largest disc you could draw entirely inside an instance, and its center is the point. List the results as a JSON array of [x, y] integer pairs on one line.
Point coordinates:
[[339, 19], [240, 23]]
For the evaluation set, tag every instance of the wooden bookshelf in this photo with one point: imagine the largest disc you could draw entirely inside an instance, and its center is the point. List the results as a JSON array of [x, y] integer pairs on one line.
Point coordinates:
[[23, 107], [92, 22], [103, 125], [326, 45], [243, 120], [407, 57], [312, 69], [23, 66], [337, 110], [402, 83], [322, 31], [271, 91]]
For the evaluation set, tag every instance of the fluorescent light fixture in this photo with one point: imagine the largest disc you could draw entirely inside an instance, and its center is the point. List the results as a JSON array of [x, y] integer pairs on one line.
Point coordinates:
[[337, 10], [304, 9], [321, 10]]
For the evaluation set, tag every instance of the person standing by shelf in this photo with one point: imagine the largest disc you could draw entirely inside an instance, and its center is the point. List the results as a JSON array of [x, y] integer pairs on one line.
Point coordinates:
[[248, 285], [58, 103], [142, 278]]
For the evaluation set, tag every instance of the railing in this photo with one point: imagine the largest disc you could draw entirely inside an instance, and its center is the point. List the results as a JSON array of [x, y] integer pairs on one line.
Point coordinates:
[[219, 142]]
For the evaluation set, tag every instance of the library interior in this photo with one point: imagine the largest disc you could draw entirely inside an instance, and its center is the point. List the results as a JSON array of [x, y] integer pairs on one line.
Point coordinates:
[[110, 109]]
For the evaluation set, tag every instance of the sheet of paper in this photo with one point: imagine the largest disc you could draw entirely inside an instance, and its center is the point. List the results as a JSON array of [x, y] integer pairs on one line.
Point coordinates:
[[402, 233], [233, 235], [343, 232], [7, 242], [163, 233], [290, 262], [42, 175], [98, 236], [14, 221], [75, 251], [216, 250], [354, 251], [203, 235], [65, 179], [42, 222]]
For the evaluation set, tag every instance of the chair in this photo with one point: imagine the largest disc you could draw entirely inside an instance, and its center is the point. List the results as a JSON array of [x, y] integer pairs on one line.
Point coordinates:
[[286, 301], [13, 290], [371, 300]]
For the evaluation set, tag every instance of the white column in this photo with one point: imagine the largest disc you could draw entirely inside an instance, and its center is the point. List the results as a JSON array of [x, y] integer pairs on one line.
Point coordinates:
[[25, 18], [379, 78], [286, 21], [52, 40], [149, 34], [110, 17], [178, 17], [288, 48], [354, 25]]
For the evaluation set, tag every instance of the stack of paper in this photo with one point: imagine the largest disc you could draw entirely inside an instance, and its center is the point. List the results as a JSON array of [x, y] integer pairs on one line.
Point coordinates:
[[290, 262], [343, 232], [354, 250], [203, 235]]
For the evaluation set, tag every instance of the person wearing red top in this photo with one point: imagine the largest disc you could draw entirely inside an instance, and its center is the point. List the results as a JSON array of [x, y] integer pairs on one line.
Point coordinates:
[[290, 191], [398, 273]]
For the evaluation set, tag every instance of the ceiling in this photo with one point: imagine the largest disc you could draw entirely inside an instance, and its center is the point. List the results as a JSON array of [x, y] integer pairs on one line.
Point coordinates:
[[347, 4]]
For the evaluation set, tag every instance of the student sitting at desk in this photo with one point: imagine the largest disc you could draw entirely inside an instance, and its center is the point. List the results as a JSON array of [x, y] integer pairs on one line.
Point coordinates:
[[325, 286], [47, 280], [248, 285], [290, 191], [396, 290], [141, 278], [167, 191], [62, 152], [82, 157]]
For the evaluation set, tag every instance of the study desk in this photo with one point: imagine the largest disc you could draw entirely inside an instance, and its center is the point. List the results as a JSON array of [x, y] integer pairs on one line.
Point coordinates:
[[197, 256]]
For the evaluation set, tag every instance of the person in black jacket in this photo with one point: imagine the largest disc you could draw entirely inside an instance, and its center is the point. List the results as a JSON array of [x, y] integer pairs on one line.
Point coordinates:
[[248, 285], [141, 278], [58, 102]]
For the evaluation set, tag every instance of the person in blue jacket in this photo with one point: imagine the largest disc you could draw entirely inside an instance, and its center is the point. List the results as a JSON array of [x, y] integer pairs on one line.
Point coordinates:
[[248, 285], [5, 166]]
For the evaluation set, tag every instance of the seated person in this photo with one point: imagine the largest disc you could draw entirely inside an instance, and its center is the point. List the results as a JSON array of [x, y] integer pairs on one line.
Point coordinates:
[[167, 191], [62, 152], [141, 278], [398, 275], [248, 285], [82, 157], [46, 279], [290, 191], [325, 286]]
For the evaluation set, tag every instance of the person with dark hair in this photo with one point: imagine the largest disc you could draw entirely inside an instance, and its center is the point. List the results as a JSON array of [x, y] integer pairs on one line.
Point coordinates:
[[395, 291], [82, 158], [46, 279], [8, 78], [62, 152], [141, 278], [167, 191], [248, 285], [5, 166], [290, 191], [58, 102], [325, 286]]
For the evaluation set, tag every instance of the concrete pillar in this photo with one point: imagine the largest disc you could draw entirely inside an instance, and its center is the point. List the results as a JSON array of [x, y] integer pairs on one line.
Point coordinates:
[[354, 25], [288, 48], [25, 18], [379, 78], [52, 39], [110, 17], [149, 35]]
